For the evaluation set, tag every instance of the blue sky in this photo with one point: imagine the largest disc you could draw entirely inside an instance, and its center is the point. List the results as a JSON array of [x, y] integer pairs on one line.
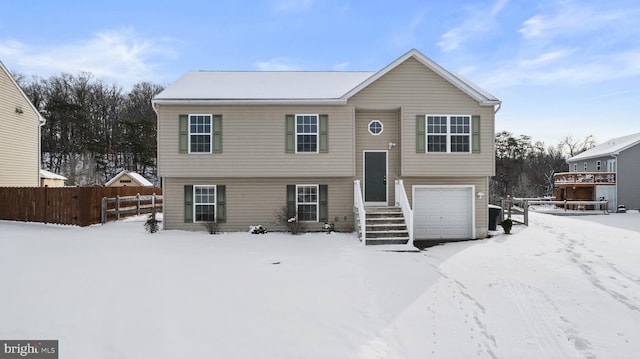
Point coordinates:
[[561, 67]]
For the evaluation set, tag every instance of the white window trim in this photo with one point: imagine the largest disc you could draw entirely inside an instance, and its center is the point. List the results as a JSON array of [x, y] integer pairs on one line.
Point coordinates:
[[448, 134], [317, 134], [210, 133], [317, 203], [215, 203], [381, 127]]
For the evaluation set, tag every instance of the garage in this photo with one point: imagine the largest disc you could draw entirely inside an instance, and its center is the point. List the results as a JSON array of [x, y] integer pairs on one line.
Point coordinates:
[[443, 212]]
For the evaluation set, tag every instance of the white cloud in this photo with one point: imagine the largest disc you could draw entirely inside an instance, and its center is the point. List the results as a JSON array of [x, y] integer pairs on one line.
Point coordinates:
[[568, 17], [477, 24], [291, 5], [342, 66], [122, 56], [277, 64]]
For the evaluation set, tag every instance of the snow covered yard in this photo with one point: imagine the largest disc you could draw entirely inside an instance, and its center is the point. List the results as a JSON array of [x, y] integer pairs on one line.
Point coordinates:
[[561, 288]]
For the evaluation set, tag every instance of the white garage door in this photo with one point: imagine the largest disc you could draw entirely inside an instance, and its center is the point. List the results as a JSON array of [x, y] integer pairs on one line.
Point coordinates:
[[443, 212]]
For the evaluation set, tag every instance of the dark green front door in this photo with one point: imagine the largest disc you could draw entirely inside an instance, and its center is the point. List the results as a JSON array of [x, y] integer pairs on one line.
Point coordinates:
[[375, 177]]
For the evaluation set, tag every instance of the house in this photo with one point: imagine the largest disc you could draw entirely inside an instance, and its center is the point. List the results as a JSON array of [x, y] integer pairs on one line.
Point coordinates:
[[240, 146], [20, 125], [609, 171], [126, 178], [50, 179]]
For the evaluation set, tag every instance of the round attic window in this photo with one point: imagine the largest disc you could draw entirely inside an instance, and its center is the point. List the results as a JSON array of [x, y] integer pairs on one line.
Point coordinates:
[[375, 127]]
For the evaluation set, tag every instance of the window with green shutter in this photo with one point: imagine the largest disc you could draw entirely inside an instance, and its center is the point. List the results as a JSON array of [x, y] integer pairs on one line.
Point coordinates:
[[200, 133], [307, 133]]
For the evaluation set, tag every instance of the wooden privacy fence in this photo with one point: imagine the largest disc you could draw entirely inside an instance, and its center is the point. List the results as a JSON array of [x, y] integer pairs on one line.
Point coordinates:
[[80, 206], [130, 205]]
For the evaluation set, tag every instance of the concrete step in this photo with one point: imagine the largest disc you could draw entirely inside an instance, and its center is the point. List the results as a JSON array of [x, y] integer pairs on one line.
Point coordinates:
[[387, 240]]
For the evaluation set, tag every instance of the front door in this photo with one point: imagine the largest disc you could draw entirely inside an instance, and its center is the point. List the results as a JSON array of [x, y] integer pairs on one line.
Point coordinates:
[[375, 177]]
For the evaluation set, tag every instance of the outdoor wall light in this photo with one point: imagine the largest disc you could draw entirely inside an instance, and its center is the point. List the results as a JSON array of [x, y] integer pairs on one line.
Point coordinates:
[[480, 195], [19, 110], [392, 145]]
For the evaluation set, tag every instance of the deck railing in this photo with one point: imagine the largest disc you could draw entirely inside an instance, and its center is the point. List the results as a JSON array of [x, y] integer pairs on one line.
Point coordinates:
[[361, 213], [403, 202], [578, 178]]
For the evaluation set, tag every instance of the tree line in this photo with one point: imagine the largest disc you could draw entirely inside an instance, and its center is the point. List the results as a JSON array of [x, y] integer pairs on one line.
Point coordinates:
[[525, 168], [94, 129]]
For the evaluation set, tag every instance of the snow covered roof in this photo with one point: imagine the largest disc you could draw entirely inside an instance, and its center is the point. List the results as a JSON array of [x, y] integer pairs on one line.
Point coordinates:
[[134, 175], [612, 147], [50, 175], [262, 85], [334, 87]]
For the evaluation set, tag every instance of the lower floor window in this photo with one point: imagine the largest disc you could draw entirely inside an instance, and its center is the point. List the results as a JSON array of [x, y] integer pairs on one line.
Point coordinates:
[[307, 202], [204, 203]]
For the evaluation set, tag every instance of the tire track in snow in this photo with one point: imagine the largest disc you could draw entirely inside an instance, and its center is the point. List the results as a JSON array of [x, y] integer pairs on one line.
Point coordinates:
[[546, 328], [623, 288]]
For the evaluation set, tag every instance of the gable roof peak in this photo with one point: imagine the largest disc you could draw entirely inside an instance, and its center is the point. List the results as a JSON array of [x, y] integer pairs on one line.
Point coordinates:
[[483, 97]]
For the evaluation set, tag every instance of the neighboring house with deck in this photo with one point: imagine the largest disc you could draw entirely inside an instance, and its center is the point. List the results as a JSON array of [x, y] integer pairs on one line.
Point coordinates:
[[20, 125], [609, 171], [411, 138]]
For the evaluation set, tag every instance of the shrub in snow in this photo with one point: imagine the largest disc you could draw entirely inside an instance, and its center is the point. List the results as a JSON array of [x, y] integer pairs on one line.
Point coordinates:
[[151, 224], [211, 227], [288, 217], [328, 227], [257, 229], [506, 225]]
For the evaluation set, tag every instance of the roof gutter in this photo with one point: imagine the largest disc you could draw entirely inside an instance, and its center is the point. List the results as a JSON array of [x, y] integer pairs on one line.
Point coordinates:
[[249, 102]]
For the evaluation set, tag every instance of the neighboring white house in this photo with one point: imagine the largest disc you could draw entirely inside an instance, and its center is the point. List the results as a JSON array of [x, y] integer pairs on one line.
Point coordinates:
[[20, 125], [126, 178]]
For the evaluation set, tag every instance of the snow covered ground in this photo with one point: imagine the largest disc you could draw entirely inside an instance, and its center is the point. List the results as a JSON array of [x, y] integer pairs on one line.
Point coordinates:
[[561, 288]]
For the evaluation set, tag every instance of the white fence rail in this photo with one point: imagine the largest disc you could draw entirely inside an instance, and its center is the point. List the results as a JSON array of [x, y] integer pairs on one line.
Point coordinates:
[[403, 202], [130, 205], [361, 213]]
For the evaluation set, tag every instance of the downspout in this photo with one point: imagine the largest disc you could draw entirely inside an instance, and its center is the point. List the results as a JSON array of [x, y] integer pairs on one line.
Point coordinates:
[[162, 182], [43, 121]]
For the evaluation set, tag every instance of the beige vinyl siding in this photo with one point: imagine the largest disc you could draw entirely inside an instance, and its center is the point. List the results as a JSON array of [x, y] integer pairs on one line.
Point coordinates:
[[367, 141], [419, 91], [481, 205], [253, 141], [253, 201], [19, 137]]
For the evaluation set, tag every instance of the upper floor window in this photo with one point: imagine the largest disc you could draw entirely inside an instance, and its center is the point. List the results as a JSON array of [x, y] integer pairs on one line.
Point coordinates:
[[585, 167], [200, 133], [449, 134], [575, 167], [375, 127], [598, 165], [307, 133], [611, 165]]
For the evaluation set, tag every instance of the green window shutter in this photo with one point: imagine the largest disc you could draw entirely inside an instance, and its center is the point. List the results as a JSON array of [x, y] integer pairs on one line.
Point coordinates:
[[421, 139], [324, 133], [217, 134], [290, 134], [188, 204], [475, 134], [221, 204], [184, 133], [323, 200], [291, 200]]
